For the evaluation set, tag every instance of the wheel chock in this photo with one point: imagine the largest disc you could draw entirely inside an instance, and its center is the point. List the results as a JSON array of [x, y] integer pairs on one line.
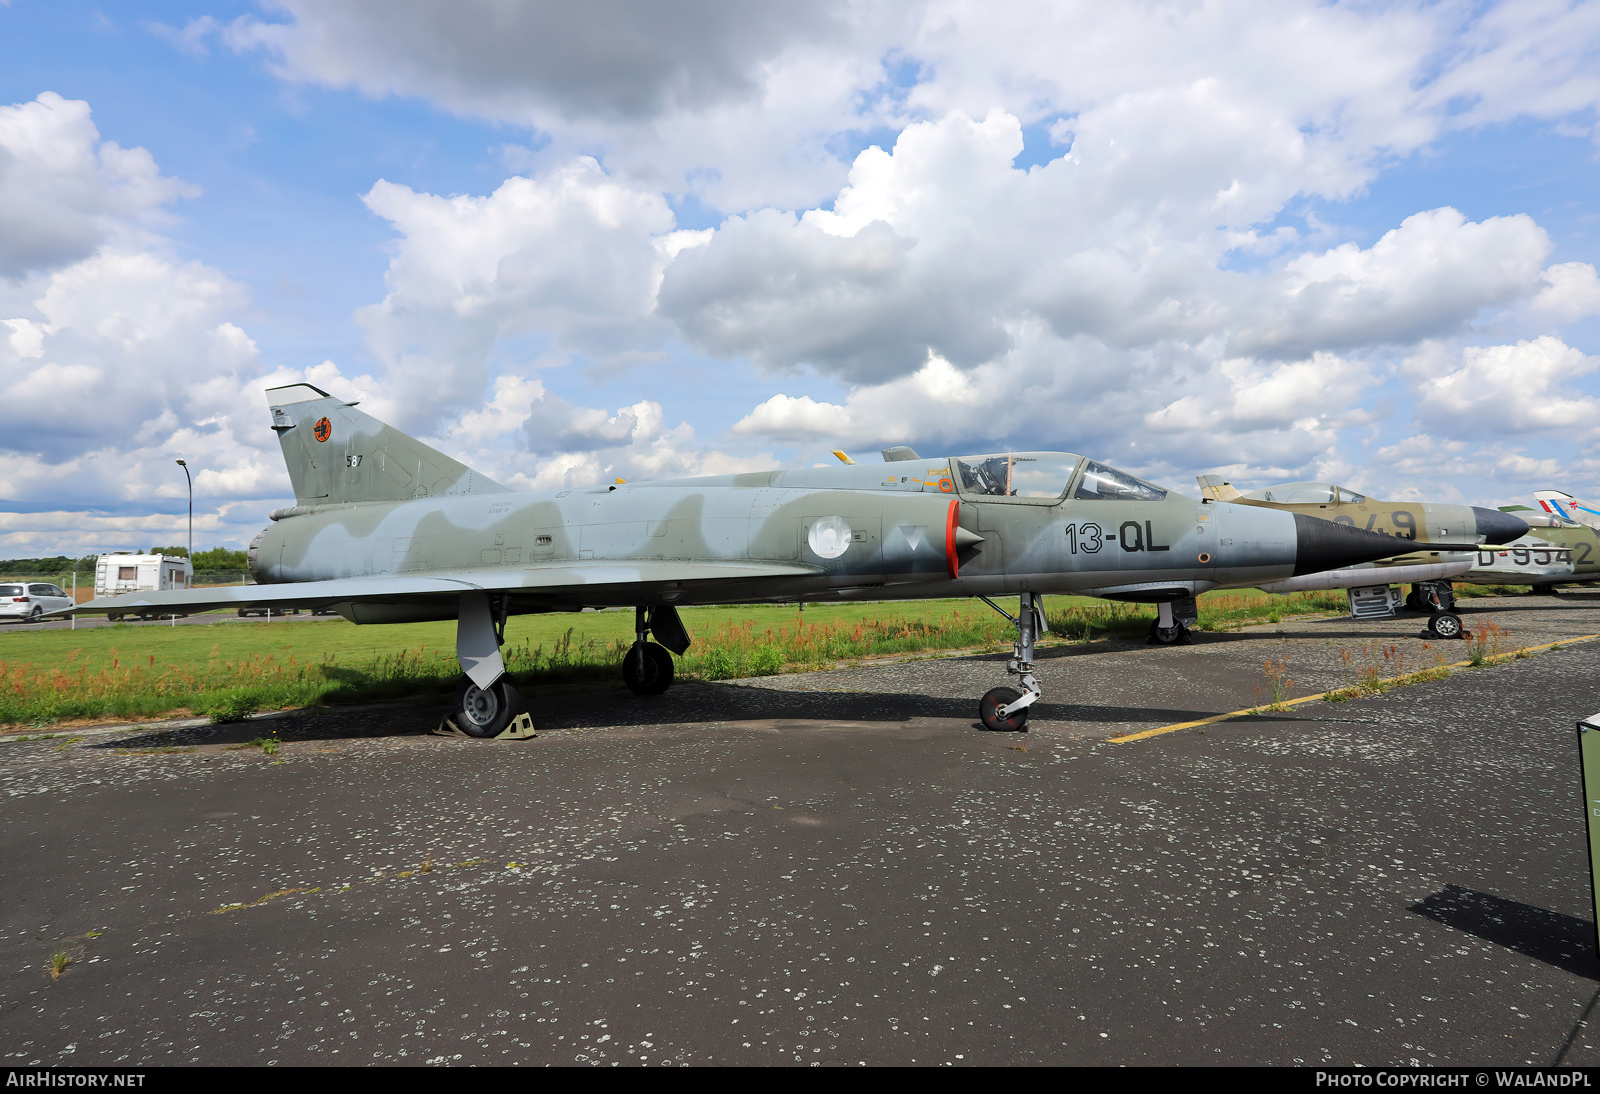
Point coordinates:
[[520, 729]]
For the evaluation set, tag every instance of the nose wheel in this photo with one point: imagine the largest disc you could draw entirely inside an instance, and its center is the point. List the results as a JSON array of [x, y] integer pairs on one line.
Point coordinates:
[[993, 702], [1005, 710]]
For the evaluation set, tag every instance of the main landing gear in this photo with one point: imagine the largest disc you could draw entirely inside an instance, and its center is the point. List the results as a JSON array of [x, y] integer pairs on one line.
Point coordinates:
[[647, 667], [1438, 599], [486, 702], [1005, 710]]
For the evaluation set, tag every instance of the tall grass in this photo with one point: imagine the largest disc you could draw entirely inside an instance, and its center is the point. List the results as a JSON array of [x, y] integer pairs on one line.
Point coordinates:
[[33, 694]]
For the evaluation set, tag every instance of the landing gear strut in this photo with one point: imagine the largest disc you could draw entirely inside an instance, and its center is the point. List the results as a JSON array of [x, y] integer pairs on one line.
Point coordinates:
[[647, 667], [1432, 597], [1005, 710]]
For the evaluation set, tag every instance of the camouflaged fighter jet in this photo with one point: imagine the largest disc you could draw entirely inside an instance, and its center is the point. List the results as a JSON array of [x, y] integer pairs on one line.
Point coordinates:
[[385, 529], [1556, 551], [1372, 587]]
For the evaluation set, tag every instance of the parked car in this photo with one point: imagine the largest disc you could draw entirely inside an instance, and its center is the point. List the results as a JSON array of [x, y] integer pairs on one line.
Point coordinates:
[[28, 602]]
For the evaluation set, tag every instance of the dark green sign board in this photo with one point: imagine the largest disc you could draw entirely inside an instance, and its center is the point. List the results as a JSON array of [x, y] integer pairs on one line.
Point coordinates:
[[1589, 756]]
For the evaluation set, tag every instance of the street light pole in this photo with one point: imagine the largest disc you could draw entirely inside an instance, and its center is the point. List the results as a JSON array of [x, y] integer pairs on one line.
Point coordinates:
[[191, 516]]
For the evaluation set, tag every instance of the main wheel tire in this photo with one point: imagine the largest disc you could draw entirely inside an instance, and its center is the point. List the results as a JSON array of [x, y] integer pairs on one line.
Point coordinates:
[[1446, 625], [647, 669], [36, 615], [1167, 636], [989, 711], [484, 712]]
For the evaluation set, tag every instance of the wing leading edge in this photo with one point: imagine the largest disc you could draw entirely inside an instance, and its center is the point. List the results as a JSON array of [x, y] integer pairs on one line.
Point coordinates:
[[562, 582]]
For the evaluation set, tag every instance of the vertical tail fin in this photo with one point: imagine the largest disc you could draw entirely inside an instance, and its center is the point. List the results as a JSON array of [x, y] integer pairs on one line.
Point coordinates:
[[1213, 488], [1564, 505], [337, 454]]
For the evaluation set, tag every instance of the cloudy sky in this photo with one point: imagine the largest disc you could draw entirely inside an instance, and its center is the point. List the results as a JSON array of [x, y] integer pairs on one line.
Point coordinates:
[[566, 242]]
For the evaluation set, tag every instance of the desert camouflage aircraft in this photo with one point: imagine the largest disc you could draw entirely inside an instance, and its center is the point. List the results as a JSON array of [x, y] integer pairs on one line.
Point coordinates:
[[1371, 587], [385, 529]]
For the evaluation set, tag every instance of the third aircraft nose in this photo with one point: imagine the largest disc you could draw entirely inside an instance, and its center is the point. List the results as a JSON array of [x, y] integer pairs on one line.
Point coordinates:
[[1498, 527], [1323, 545]]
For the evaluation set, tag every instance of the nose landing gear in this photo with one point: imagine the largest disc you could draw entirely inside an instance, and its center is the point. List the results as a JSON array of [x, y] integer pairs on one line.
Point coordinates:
[[1168, 629], [1005, 710]]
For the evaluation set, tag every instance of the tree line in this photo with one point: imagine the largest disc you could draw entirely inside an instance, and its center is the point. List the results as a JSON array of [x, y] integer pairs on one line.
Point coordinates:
[[216, 560]]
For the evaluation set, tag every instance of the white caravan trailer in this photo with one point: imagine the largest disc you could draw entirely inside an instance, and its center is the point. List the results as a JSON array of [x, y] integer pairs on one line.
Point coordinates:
[[116, 574]]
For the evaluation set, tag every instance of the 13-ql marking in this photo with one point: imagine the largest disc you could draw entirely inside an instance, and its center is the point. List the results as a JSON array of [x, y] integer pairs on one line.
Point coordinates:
[[1089, 538]]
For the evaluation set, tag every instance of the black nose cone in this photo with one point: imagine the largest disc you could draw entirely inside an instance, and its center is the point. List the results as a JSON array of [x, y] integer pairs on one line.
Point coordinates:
[[1498, 527], [1323, 545]]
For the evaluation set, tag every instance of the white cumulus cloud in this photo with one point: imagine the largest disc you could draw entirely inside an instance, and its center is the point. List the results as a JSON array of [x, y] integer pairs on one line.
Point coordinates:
[[64, 191], [1513, 389]]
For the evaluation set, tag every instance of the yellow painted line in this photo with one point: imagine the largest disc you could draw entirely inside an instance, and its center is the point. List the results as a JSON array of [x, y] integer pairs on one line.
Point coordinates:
[[1322, 694]]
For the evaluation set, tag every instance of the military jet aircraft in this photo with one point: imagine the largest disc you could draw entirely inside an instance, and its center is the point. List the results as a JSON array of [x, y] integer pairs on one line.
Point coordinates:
[[1372, 587], [1561, 504], [1556, 551], [385, 529]]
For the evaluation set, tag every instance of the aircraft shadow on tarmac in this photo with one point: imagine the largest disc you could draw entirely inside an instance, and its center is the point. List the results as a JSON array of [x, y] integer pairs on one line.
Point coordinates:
[[687, 703], [723, 703], [1552, 937]]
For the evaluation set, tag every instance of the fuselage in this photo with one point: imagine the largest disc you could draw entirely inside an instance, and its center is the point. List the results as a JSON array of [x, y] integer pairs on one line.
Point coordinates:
[[884, 531], [1424, 522]]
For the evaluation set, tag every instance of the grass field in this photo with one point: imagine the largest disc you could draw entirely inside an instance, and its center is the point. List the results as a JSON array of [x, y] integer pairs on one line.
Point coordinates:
[[146, 670]]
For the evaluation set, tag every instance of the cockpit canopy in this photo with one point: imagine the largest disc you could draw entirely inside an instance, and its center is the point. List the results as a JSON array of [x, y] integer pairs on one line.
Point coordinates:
[[1104, 483], [1047, 475], [1016, 474], [1307, 493]]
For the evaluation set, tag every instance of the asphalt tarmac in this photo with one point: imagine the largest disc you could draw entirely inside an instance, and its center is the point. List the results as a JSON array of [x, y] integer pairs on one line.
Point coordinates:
[[838, 868]]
